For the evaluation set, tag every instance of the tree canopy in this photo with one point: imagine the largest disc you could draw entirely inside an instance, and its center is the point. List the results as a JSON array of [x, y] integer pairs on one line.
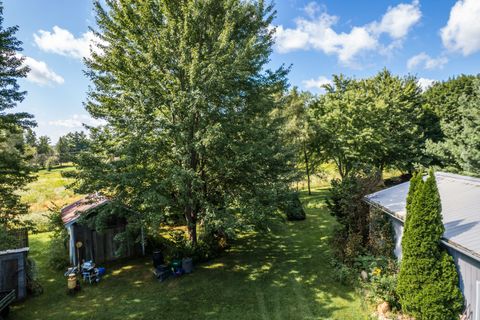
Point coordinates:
[[15, 171], [456, 104], [188, 101], [370, 122], [70, 145]]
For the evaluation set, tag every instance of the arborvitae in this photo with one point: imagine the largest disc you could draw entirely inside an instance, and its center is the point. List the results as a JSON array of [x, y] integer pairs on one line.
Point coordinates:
[[428, 281]]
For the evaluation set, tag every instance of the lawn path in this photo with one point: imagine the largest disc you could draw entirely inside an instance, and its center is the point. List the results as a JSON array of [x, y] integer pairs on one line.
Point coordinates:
[[282, 274]]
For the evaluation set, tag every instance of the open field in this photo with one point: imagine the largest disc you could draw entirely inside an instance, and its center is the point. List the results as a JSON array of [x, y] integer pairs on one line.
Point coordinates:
[[50, 187], [283, 274]]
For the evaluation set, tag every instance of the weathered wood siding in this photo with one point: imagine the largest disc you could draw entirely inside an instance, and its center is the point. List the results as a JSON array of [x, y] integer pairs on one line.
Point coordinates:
[[13, 273], [101, 246]]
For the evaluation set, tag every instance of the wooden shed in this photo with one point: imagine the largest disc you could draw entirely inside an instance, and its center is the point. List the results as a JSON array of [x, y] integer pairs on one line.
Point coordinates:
[[13, 266], [97, 245]]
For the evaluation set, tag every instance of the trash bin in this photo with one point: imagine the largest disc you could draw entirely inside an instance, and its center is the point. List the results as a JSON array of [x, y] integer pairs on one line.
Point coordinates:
[[187, 265], [158, 259]]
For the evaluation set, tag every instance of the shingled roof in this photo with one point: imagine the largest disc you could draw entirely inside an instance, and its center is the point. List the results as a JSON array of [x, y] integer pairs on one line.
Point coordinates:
[[73, 211]]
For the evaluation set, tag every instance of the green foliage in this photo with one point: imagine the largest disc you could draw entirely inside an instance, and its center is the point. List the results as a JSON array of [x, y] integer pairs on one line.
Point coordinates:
[[189, 108], [456, 104], [299, 130], [70, 145], [347, 206], [382, 287], [428, 281], [374, 121], [175, 246], [7, 241], [15, 171], [57, 250], [381, 234], [286, 270], [293, 207], [343, 273], [57, 254], [55, 223], [381, 282]]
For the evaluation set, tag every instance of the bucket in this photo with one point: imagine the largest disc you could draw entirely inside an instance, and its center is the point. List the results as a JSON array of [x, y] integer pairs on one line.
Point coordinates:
[[101, 271], [72, 281]]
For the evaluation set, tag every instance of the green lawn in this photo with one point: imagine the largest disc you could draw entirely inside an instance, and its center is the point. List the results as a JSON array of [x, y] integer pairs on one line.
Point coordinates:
[[284, 274], [48, 188]]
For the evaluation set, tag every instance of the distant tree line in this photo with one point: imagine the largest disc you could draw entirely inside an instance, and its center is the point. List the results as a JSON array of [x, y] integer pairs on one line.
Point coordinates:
[[44, 155]]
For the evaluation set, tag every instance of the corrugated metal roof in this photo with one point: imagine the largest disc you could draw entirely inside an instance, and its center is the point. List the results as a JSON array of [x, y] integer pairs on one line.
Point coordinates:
[[460, 196], [73, 211]]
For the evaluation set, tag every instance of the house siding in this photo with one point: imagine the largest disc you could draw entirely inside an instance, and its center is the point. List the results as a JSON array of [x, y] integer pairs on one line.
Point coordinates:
[[468, 271], [469, 274]]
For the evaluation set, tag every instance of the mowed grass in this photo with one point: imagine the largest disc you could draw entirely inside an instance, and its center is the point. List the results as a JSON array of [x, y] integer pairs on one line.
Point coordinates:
[[49, 188], [282, 274]]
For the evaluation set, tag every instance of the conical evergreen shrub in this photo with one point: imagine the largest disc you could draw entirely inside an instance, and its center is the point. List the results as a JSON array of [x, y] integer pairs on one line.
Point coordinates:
[[428, 281]]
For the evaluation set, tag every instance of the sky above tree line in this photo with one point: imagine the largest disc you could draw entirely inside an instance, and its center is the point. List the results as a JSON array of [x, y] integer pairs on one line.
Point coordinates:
[[433, 40]]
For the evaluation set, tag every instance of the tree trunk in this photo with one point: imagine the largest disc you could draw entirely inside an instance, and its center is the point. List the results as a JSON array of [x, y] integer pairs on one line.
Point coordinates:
[[307, 168], [192, 233]]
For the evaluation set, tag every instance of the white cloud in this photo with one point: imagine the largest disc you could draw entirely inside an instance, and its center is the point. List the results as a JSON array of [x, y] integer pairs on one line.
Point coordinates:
[[423, 60], [316, 32], [63, 42], [398, 20], [425, 83], [40, 73], [316, 83], [312, 8], [462, 32], [77, 121]]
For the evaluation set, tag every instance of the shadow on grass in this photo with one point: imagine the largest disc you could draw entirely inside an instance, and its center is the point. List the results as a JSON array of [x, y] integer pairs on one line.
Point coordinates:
[[283, 274]]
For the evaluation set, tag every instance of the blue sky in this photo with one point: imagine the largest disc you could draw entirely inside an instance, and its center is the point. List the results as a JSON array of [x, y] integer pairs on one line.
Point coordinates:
[[431, 39]]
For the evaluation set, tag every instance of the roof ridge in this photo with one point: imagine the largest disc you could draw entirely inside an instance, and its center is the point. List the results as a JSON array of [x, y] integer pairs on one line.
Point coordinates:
[[455, 176]]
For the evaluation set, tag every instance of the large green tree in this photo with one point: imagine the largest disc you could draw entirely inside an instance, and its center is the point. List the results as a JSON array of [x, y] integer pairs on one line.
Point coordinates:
[[188, 100], [300, 132], [70, 145], [428, 281], [456, 104], [15, 172], [44, 151], [370, 122]]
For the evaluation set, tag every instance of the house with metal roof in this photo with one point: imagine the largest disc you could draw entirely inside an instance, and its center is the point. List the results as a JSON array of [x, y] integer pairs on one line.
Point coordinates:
[[86, 241], [460, 197]]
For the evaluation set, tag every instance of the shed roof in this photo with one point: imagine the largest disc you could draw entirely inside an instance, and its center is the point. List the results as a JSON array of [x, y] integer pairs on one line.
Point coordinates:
[[73, 211], [460, 197]]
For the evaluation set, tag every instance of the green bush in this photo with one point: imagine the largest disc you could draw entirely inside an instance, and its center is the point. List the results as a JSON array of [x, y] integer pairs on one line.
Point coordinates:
[[343, 273], [58, 258], [382, 287], [347, 206], [210, 246], [57, 254], [293, 207], [382, 279], [428, 281], [176, 246]]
